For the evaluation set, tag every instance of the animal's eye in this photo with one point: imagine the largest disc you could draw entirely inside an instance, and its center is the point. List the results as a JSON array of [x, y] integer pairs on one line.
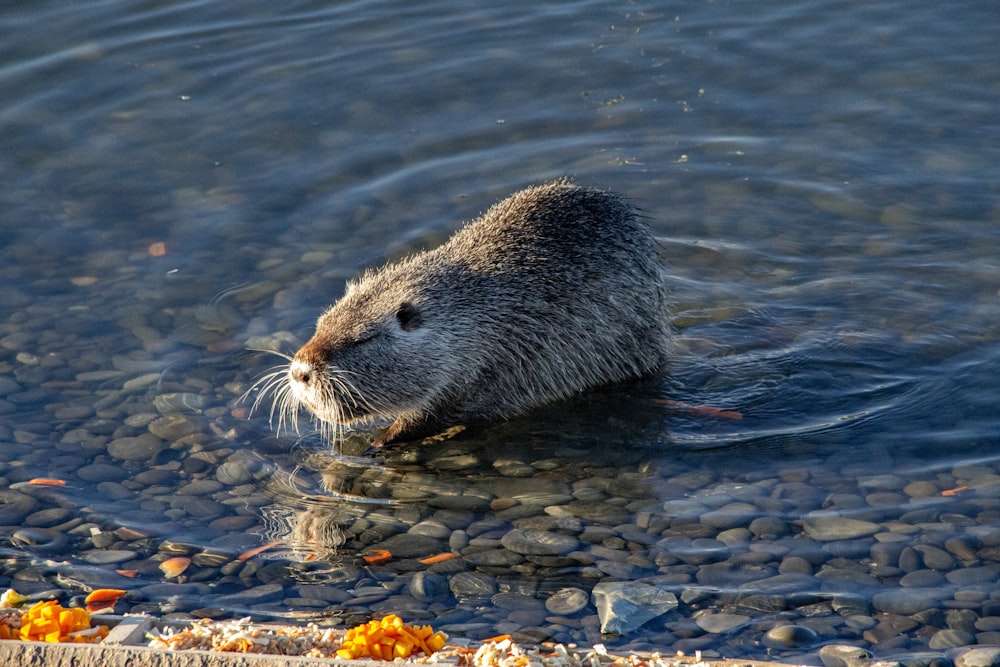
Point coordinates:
[[408, 316]]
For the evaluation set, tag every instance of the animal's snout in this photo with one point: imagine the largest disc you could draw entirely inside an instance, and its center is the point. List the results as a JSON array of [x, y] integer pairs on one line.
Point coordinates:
[[308, 361], [300, 371]]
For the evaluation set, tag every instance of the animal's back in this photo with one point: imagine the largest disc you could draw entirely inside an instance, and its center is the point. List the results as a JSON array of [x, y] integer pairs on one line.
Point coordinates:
[[572, 291], [554, 290]]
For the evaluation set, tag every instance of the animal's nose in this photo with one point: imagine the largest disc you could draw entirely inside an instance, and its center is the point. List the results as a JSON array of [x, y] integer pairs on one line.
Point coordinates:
[[300, 371]]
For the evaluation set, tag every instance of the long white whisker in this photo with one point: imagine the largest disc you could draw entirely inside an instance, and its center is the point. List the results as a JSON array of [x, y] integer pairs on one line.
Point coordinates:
[[341, 402]]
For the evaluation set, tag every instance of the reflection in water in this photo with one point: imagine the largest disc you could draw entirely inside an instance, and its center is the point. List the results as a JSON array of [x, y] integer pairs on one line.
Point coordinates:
[[769, 529]]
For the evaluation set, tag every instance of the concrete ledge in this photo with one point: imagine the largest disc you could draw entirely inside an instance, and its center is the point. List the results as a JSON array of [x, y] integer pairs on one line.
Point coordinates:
[[41, 654]]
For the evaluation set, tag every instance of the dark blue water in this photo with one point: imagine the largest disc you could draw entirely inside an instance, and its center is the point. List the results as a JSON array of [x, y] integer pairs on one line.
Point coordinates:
[[184, 182]]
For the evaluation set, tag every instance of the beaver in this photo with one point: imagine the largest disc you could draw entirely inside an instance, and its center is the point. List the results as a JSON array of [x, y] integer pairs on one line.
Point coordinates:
[[556, 289]]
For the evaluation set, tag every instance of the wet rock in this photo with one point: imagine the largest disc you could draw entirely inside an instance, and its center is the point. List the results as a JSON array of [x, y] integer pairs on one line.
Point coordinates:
[[42, 540], [233, 473], [963, 548], [934, 617], [769, 527], [408, 545], [795, 565], [830, 527], [729, 574], [140, 382], [881, 483], [459, 503], [604, 513], [790, 636], [860, 622], [48, 517], [853, 550], [733, 515], [616, 569], [514, 469], [734, 537], [910, 560], [921, 489], [141, 448], [431, 528], [173, 427], [429, 586], [949, 638], [14, 507], [539, 542], [328, 594], [721, 623], [199, 487], [886, 554], [472, 585], [984, 656], [684, 508], [247, 599], [922, 659], [7, 385], [197, 506], [974, 575], [988, 638], [922, 578], [180, 402], [518, 602], [101, 472], [698, 551], [889, 627], [567, 601], [935, 558], [960, 619], [107, 557], [625, 605], [904, 602], [73, 412], [851, 604], [844, 655], [458, 540], [113, 491], [988, 624], [492, 557]]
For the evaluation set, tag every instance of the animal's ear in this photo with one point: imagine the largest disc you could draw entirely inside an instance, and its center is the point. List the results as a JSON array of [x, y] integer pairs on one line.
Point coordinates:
[[408, 316]]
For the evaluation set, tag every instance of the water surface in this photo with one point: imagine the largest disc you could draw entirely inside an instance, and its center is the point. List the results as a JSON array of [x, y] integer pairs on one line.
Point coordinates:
[[187, 182]]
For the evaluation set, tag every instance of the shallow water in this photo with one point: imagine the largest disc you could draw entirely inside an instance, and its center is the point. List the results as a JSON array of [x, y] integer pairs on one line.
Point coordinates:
[[187, 182]]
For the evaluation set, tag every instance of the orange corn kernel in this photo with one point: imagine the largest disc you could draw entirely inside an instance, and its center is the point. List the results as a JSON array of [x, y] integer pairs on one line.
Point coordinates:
[[389, 639], [49, 621], [174, 567], [438, 558], [378, 557], [103, 598], [247, 555]]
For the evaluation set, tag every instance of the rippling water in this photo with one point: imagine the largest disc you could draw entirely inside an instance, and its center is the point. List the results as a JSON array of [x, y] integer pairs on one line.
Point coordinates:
[[186, 182]]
